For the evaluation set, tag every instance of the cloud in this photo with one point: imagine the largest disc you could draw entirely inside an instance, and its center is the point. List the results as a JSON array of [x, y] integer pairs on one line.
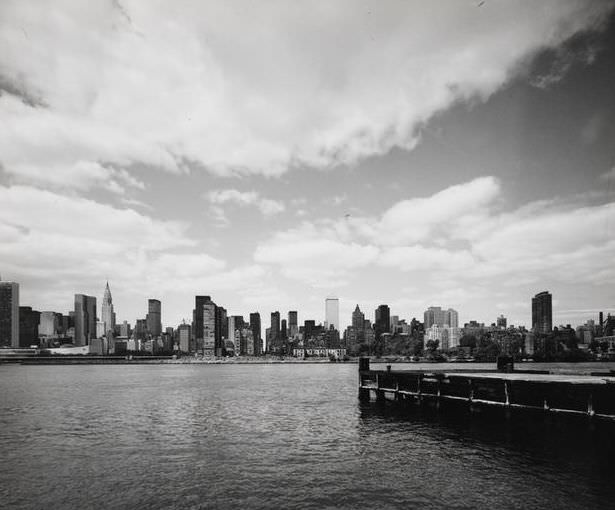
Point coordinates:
[[242, 88], [456, 238], [56, 245], [304, 254], [81, 176], [246, 198]]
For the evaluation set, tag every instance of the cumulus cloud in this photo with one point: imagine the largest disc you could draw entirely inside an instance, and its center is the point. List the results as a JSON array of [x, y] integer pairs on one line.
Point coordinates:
[[238, 87], [457, 237], [246, 198], [56, 245]]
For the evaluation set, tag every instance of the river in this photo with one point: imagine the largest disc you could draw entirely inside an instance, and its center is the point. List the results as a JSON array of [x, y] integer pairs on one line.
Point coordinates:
[[275, 436]]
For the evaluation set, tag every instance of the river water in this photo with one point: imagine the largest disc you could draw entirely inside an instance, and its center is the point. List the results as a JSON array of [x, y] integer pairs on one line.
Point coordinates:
[[275, 436]]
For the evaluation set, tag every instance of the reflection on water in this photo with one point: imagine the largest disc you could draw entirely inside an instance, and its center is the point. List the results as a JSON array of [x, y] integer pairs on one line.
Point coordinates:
[[263, 436]]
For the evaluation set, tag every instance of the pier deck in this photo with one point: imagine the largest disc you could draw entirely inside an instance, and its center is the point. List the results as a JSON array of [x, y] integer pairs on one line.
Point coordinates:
[[558, 393]]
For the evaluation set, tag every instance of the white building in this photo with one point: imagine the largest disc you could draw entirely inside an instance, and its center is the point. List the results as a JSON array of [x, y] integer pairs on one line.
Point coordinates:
[[332, 313]]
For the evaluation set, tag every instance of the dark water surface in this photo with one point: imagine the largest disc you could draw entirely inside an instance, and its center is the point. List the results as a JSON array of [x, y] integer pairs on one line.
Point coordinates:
[[275, 436]]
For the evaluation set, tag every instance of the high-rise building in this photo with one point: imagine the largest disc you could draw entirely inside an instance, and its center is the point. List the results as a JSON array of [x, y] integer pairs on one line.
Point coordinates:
[[255, 326], [125, 329], [49, 324], [153, 318], [435, 315], [9, 314], [28, 326], [332, 313], [382, 324], [293, 324], [235, 324], [207, 326], [542, 318], [274, 333], [358, 319], [184, 335], [108, 315], [85, 319]]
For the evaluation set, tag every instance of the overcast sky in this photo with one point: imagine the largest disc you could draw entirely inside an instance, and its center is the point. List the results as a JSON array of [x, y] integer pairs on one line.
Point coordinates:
[[270, 154]]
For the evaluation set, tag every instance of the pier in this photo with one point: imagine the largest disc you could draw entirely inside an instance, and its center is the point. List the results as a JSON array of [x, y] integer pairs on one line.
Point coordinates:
[[589, 395]]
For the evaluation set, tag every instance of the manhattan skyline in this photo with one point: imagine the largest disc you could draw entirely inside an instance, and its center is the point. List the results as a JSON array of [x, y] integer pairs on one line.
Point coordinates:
[[177, 151]]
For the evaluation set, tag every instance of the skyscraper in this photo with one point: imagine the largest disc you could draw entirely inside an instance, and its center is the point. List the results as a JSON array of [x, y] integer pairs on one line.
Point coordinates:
[[293, 324], [153, 318], [382, 324], [85, 319], [29, 321], [542, 318], [332, 313], [9, 314], [108, 316], [274, 333], [205, 331], [358, 319], [255, 326]]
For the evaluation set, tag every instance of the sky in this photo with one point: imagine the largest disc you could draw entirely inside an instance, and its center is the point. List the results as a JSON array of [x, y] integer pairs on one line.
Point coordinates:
[[271, 154]]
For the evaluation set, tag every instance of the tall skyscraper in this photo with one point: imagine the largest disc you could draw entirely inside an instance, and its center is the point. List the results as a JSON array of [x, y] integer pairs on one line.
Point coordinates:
[[235, 324], [255, 326], [332, 313], [358, 319], [108, 316], [274, 334], [85, 319], [153, 318], [542, 315], [9, 314], [206, 334], [382, 324], [293, 324]]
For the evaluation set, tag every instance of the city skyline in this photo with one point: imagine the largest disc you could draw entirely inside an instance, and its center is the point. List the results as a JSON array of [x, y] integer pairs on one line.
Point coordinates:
[[456, 171]]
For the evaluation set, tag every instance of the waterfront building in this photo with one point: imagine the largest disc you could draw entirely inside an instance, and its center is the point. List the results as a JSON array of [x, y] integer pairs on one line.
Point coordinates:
[[332, 313], [447, 336], [382, 322], [542, 316], [153, 318], [255, 326], [9, 314], [247, 342], [108, 315], [222, 323], [274, 344], [235, 325], [49, 325], [436, 315], [207, 326], [85, 319], [184, 334], [29, 321]]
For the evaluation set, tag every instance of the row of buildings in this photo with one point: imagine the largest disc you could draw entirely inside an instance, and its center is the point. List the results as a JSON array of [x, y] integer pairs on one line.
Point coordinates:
[[213, 332]]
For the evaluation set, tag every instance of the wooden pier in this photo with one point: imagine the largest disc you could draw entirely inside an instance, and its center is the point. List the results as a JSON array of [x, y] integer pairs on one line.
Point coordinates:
[[589, 395]]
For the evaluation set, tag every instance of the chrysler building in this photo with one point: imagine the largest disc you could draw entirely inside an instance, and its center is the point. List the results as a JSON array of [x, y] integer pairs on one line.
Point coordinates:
[[108, 315]]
